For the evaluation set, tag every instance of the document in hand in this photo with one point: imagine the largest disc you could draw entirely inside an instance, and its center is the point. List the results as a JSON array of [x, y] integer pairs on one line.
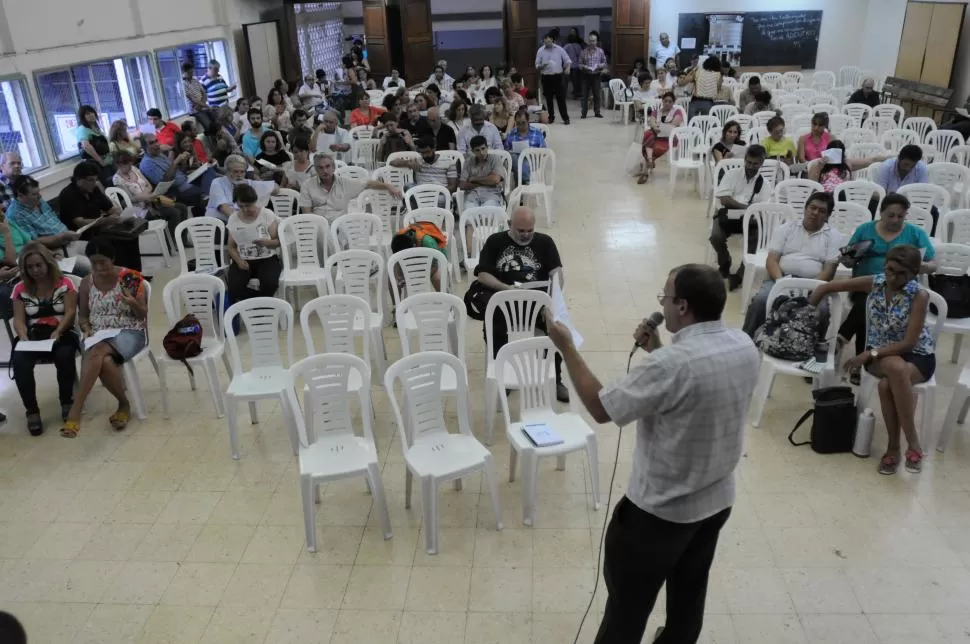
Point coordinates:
[[201, 170], [162, 188], [561, 314], [42, 346]]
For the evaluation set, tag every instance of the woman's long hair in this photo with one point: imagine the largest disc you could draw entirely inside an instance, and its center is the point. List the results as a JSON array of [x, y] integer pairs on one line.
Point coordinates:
[[53, 270]]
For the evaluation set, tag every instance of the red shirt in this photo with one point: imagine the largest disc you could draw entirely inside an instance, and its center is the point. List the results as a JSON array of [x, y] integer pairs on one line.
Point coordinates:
[[166, 135], [200, 152], [522, 91]]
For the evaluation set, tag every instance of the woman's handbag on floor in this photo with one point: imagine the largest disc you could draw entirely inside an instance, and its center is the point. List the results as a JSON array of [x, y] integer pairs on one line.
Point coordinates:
[[834, 422], [955, 289]]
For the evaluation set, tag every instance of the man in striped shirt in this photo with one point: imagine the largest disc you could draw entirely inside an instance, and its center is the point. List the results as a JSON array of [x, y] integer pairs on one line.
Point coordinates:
[[216, 88], [592, 62]]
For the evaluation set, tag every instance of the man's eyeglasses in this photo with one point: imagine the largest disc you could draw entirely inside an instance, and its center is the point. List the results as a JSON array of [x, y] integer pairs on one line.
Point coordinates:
[[662, 297]]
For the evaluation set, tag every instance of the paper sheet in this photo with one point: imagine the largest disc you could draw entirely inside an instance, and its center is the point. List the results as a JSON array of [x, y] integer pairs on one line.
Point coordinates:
[[162, 188], [560, 313], [83, 229], [201, 170], [267, 164], [103, 334], [43, 346], [520, 146], [688, 43], [67, 264]]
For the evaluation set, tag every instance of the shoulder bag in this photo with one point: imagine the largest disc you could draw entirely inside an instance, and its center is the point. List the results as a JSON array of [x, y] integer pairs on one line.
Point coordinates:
[[834, 421]]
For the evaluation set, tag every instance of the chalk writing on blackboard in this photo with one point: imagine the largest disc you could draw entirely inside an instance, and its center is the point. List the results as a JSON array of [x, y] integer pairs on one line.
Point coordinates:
[[786, 26]]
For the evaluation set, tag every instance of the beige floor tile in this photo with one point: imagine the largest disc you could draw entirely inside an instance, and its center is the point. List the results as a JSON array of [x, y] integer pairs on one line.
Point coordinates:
[[221, 543], [377, 588], [18, 537], [238, 625], [115, 623], [898, 629], [456, 547], [432, 628], [561, 590], [335, 545], [769, 629], [501, 590], [114, 541], [29, 580], [140, 506], [831, 629], [51, 622], [820, 590], [498, 628], [176, 624], [61, 541], [198, 584], [756, 591], [167, 542], [299, 626], [316, 586], [375, 550], [86, 581], [356, 626], [504, 548], [140, 582], [256, 585], [190, 507], [240, 508], [275, 545], [557, 548], [438, 589], [91, 506]]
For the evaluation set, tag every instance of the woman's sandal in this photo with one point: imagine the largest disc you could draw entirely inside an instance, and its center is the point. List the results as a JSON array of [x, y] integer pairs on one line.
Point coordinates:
[[888, 464], [914, 461], [119, 420], [643, 179], [71, 429]]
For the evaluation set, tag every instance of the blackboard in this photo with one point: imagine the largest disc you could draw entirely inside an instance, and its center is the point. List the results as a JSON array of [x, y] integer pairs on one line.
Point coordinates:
[[691, 25], [779, 38]]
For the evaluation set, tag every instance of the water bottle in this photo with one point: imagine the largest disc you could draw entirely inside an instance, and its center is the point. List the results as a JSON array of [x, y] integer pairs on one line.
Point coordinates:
[[863, 433]]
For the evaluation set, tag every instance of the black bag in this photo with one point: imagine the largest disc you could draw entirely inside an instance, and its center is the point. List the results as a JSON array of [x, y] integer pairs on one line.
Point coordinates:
[[100, 145], [126, 229], [955, 289], [834, 422], [476, 300]]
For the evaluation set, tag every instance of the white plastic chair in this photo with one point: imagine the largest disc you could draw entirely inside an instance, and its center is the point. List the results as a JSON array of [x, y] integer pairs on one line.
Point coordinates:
[[921, 218], [440, 320], [542, 176], [879, 125], [686, 146], [943, 141], [157, 228], [204, 297], [772, 367], [520, 309], [848, 216], [365, 153], [432, 453], [850, 76], [793, 77], [203, 232], [795, 193], [746, 121], [416, 266], [445, 222], [724, 113], [355, 272], [756, 134], [773, 172], [858, 192], [865, 151], [922, 125], [822, 108], [858, 112], [544, 129], [718, 175], [620, 102], [894, 140], [762, 118], [823, 80], [506, 160], [925, 389], [362, 132], [357, 231], [333, 451], [839, 123], [895, 112], [806, 95], [387, 207], [926, 196], [340, 318], [854, 135], [841, 94], [770, 78], [705, 123], [484, 221], [427, 195], [309, 234], [952, 177], [768, 217], [954, 227], [268, 376], [960, 154], [953, 259], [286, 203], [529, 361], [957, 411], [354, 172]]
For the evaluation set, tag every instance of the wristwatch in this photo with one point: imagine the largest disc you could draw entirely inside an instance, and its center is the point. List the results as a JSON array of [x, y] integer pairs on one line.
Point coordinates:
[[873, 355]]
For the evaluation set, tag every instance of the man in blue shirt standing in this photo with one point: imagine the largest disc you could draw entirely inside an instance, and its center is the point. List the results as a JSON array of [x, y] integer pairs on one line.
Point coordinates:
[[552, 62], [157, 167]]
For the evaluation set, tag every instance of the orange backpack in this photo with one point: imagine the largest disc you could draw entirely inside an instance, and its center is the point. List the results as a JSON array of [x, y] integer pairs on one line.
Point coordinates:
[[419, 229]]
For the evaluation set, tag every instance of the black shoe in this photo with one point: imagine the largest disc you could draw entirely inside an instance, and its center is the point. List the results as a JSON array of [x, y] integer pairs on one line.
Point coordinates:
[[725, 272], [735, 281], [552, 120], [34, 424], [508, 392], [599, 116], [582, 116], [565, 121], [562, 394]]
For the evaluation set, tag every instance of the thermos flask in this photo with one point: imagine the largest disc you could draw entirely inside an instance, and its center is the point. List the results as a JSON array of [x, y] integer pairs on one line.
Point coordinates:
[[863, 433]]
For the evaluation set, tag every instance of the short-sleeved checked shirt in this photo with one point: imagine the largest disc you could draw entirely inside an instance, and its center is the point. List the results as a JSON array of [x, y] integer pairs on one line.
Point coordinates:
[[440, 172], [690, 401]]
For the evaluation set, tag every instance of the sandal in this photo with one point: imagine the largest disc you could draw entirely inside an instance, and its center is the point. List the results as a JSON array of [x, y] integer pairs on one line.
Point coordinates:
[[914, 461], [35, 425], [119, 420], [643, 179], [71, 429], [888, 464]]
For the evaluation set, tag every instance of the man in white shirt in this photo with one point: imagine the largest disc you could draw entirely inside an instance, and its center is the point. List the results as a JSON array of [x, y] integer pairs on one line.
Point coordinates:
[[311, 93], [736, 191], [328, 195], [444, 82], [221, 204], [330, 139], [553, 64], [395, 77], [807, 248], [478, 126], [665, 50]]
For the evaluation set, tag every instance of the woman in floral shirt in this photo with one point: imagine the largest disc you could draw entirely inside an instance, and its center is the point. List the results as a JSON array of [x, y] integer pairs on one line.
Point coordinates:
[[899, 346]]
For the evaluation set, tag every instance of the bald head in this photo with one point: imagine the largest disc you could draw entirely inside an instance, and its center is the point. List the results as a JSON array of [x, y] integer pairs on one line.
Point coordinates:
[[433, 117], [522, 226], [11, 164]]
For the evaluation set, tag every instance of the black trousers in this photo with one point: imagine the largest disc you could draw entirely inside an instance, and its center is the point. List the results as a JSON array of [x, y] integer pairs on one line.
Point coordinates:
[[591, 83], [500, 338], [722, 228], [855, 323], [554, 89], [642, 553], [576, 80], [63, 355], [267, 271]]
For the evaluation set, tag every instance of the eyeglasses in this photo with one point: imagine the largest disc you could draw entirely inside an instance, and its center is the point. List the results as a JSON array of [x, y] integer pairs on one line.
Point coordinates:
[[662, 297]]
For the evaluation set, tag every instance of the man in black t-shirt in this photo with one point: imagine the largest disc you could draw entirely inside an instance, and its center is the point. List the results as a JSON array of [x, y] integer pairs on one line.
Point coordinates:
[[413, 122], [512, 258]]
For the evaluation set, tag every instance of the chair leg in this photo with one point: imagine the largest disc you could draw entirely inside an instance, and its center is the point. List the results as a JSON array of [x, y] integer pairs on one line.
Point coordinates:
[[926, 430], [747, 284], [309, 510], [164, 388], [212, 375], [673, 178], [954, 415], [380, 352], [561, 463], [293, 420], [527, 473], [380, 500], [491, 402], [408, 484], [231, 412], [761, 391], [429, 507], [957, 341], [252, 413], [491, 480], [594, 469], [513, 462]]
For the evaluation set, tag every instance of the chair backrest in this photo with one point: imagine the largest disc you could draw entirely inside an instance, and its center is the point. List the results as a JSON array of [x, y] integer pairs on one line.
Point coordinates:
[[858, 112], [773, 172], [890, 110], [118, 197], [858, 192], [520, 308], [617, 88], [849, 76], [420, 376], [746, 121], [943, 141], [354, 272], [952, 259], [954, 227], [960, 154], [441, 320], [362, 132], [203, 233], [705, 123], [806, 95], [795, 192], [686, 143], [285, 202], [453, 156], [541, 163], [366, 153], [852, 135], [427, 195], [484, 221], [949, 176], [756, 134], [920, 217], [416, 267], [440, 217], [201, 295], [824, 80], [838, 123], [770, 77], [263, 317], [745, 77], [768, 217], [826, 108], [926, 195], [325, 379], [340, 317], [762, 118], [801, 286], [724, 113], [355, 230], [794, 77], [922, 125], [841, 94], [895, 139], [864, 150], [506, 160], [384, 205], [531, 361], [544, 128], [684, 103], [848, 216], [880, 125], [310, 234], [722, 168]]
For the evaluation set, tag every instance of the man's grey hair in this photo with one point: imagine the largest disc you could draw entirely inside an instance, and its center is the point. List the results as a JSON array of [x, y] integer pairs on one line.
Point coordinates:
[[320, 156], [8, 156], [235, 159], [476, 110]]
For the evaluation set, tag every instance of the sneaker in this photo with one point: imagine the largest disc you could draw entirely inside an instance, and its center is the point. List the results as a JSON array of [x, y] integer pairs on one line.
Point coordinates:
[[582, 116], [914, 461], [565, 122], [562, 393], [889, 464]]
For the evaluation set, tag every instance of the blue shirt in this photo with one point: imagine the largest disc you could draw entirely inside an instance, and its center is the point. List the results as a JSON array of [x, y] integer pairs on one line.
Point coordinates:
[[889, 176], [154, 169], [216, 90], [535, 139], [250, 141], [42, 222], [875, 259], [554, 58]]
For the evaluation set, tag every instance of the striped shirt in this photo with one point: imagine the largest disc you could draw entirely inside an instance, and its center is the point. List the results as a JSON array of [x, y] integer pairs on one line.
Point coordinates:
[[195, 98], [216, 90], [591, 58], [439, 172]]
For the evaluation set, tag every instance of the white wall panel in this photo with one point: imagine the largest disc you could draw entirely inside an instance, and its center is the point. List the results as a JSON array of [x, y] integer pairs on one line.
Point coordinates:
[[41, 24]]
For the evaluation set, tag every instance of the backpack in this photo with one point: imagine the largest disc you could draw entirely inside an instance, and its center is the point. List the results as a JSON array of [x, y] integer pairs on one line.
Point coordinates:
[[791, 331], [834, 422], [419, 229], [184, 340]]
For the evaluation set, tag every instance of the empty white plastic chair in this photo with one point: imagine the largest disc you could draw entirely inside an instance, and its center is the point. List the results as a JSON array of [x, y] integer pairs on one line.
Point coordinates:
[[865, 150], [823, 80], [895, 112], [387, 207], [795, 193], [705, 123], [894, 140], [746, 121], [943, 141], [768, 217], [620, 100], [792, 77], [927, 196], [529, 361], [957, 411], [341, 319], [952, 177], [354, 172], [762, 118], [922, 125], [268, 376], [806, 95], [921, 218], [157, 229], [848, 216], [484, 221], [853, 135], [440, 320], [285, 202], [850, 76], [365, 153], [332, 449], [953, 259], [839, 123], [960, 154], [724, 113], [773, 172], [858, 192], [879, 125], [542, 176], [357, 231], [686, 146], [432, 453], [954, 227], [208, 236], [303, 246], [858, 112], [427, 195], [756, 134]]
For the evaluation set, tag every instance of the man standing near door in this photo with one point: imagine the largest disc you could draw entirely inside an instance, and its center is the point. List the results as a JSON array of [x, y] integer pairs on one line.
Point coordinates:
[[592, 62], [552, 61]]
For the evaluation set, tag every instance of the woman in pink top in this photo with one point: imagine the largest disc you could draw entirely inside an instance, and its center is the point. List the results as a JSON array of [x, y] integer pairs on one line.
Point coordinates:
[[810, 146]]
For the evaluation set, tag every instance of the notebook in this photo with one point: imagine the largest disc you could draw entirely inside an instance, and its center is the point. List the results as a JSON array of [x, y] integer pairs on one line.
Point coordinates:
[[812, 366], [541, 435]]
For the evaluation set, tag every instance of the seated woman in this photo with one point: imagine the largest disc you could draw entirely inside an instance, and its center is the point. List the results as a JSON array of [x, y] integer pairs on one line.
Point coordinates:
[[365, 113], [899, 347], [656, 136], [777, 145], [254, 247], [119, 140], [44, 306], [139, 190], [458, 113], [191, 161], [834, 168], [730, 146], [277, 113], [810, 145], [271, 150], [92, 142], [362, 78], [300, 167], [111, 298], [500, 116]]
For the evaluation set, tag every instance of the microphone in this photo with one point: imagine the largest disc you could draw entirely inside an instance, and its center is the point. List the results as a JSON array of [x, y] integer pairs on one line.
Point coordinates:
[[654, 321]]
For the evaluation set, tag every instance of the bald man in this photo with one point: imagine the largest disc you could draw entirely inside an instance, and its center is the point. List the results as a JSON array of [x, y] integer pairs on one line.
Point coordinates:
[[11, 166], [666, 50], [512, 259]]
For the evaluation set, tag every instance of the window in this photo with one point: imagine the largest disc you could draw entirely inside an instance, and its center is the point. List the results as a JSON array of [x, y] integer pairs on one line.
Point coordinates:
[[118, 89], [199, 54], [18, 129], [319, 28]]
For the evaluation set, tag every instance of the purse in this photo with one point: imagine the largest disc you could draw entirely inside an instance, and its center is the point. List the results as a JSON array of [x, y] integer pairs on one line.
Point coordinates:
[[476, 300], [955, 289], [834, 421]]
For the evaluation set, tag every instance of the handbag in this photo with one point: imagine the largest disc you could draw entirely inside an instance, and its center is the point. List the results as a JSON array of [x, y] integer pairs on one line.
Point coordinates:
[[476, 300], [955, 289], [791, 330], [834, 421]]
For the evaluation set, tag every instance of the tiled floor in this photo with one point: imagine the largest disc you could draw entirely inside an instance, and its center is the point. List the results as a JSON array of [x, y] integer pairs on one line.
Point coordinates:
[[157, 535]]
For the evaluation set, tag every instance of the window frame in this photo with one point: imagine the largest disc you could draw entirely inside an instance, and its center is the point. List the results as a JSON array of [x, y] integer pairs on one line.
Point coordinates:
[[226, 64], [28, 99], [52, 135]]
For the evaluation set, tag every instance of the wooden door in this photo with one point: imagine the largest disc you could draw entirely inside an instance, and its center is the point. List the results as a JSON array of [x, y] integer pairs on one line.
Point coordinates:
[[521, 42], [418, 39], [931, 32], [631, 34], [375, 30], [912, 46]]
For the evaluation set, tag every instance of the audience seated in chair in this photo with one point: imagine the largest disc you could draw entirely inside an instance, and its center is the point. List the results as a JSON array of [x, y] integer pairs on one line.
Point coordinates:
[[739, 189], [221, 203], [523, 136], [165, 131], [444, 135], [730, 146], [35, 220], [656, 134], [478, 126], [761, 102], [146, 204], [422, 234], [811, 145], [252, 137], [867, 94], [777, 145], [111, 297], [44, 306], [397, 140], [482, 176], [328, 195], [299, 169], [330, 139], [11, 166], [807, 248], [834, 169], [431, 168], [175, 167], [254, 247]]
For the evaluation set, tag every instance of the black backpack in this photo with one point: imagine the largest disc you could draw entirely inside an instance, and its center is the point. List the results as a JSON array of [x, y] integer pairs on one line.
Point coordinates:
[[834, 422]]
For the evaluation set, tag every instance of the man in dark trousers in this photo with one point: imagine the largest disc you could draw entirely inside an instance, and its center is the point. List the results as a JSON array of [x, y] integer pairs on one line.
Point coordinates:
[[552, 62]]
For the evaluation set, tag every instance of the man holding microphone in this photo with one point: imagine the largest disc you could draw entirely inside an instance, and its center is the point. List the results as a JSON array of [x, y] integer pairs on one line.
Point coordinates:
[[690, 401]]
